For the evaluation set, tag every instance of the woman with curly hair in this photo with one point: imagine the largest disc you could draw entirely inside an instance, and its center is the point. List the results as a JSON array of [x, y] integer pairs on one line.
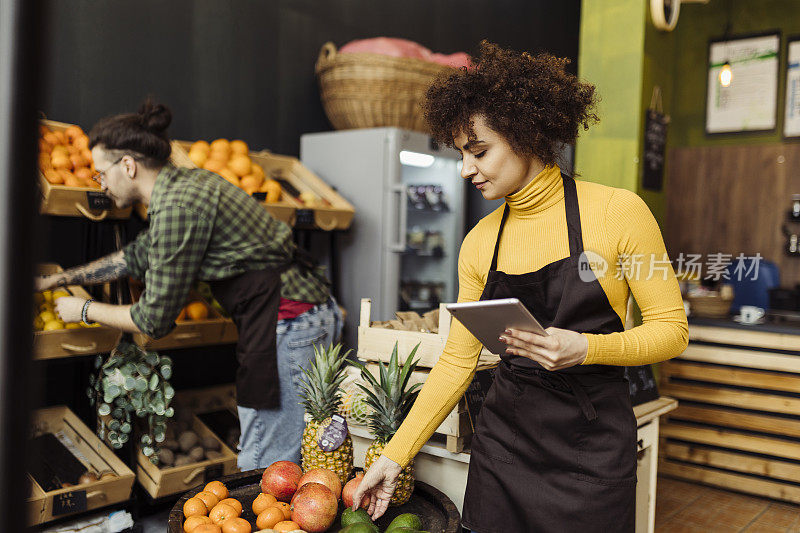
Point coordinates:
[[554, 447]]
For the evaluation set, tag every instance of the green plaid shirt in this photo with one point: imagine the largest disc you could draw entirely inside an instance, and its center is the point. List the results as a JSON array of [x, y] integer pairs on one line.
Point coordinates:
[[202, 228]]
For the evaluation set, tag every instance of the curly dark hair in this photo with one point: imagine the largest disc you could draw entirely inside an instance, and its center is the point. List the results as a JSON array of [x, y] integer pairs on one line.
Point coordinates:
[[531, 100]]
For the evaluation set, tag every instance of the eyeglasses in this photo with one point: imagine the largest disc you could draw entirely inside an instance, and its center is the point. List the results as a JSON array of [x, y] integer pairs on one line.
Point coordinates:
[[98, 178]]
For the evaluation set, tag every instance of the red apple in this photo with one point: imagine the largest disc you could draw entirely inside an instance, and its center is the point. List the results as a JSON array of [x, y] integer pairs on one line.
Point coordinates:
[[314, 507], [350, 489], [281, 479], [325, 477]]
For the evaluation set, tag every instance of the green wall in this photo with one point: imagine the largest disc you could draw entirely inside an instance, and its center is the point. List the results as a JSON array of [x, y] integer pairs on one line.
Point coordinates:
[[697, 25]]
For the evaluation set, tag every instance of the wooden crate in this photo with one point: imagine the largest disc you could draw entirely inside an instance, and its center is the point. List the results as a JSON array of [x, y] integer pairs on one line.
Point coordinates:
[[456, 427], [334, 212], [376, 344], [187, 333], [737, 425], [64, 201], [44, 506], [160, 482], [72, 342]]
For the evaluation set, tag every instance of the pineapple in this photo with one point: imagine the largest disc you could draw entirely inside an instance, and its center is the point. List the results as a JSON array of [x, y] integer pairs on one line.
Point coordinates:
[[321, 399], [390, 399]]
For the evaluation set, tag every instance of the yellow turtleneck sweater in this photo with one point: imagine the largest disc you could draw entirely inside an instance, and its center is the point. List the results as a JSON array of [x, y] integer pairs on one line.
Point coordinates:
[[615, 223]]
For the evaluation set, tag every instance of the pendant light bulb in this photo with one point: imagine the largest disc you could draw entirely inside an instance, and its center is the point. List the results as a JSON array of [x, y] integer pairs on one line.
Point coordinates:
[[725, 74]]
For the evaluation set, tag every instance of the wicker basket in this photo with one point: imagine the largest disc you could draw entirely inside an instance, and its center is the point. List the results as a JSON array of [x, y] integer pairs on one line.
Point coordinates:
[[362, 90], [710, 306]]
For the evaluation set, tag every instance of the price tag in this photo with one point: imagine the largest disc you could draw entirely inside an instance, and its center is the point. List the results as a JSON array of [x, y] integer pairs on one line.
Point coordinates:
[[213, 472], [98, 200], [305, 217], [260, 196], [73, 501], [334, 434]]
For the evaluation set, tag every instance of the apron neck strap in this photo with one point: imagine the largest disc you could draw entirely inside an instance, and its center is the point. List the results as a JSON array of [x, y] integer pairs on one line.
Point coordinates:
[[573, 221], [573, 215]]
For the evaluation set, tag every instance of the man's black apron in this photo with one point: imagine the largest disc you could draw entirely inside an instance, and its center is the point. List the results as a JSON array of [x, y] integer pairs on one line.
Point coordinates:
[[253, 299], [554, 451]]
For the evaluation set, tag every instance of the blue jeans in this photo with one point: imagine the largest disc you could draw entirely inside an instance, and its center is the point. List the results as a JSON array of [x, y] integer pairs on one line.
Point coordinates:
[[270, 435]]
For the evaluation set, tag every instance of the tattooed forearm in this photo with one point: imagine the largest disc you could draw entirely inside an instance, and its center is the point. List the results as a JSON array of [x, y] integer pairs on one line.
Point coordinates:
[[109, 268]]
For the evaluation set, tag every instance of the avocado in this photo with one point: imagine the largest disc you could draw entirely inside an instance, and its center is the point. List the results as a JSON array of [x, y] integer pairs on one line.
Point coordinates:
[[355, 517], [405, 520], [360, 527]]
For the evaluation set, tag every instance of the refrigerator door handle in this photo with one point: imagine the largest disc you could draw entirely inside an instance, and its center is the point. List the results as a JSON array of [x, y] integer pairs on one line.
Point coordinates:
[[398, 244]]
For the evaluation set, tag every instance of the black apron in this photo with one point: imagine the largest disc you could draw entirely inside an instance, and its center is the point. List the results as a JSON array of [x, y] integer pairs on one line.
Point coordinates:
[[253, 300], [554, 451]]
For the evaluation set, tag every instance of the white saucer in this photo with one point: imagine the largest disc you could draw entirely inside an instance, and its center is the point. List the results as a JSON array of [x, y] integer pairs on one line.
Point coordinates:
[[738, 319]]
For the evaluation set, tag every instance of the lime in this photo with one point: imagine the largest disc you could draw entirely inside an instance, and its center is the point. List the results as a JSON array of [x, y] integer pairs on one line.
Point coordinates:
[[405, 520]]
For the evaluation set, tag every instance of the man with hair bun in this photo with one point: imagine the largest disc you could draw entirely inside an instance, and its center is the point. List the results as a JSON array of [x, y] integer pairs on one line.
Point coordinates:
[[554, 448], [202, 228]]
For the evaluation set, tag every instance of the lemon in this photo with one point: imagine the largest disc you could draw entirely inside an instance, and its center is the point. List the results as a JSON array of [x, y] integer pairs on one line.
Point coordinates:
[[52, 325], [48, 316], [72, 325], [38, 323], [48, 296]]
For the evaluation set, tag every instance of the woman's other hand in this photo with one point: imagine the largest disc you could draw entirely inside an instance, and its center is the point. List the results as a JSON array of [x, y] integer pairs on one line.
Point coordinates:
[[562, 348], [378, 484]]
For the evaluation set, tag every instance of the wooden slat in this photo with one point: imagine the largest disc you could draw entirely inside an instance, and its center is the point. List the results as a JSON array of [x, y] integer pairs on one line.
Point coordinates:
[[750, 400], [743, 357], [738, 482], [645, 412], [734, 419], [732, 461], [756, 339], [732, 376], [732, 439]]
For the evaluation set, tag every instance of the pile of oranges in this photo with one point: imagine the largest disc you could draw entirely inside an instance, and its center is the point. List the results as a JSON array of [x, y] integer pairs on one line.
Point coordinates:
[[195, 310], [65, 158], [231, 160], [213, 511]]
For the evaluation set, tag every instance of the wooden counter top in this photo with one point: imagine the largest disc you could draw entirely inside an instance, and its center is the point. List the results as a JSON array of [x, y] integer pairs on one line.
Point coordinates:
[[724, 331]]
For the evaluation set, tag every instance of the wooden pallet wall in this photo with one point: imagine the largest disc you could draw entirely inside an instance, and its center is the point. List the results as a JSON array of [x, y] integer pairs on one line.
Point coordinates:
[[737, 425]]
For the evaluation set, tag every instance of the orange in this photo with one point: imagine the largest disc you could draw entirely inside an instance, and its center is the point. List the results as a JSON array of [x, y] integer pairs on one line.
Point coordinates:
[[197, 311], [53, 176], [214, 165], [208, 498], [78, 161], [220, 144], [285, 526], [273, 190], [239, 147], [262, 502], [193, 521], [43, 129], [229, 175], [256, 170], [198, 157], [217, 488], [87, 155], [62, 137], [194, 507], [72, 181], [236, 504], [222, 512], [51, 138], [60, 161], [250, 183], [72, 132], [81, 142], [285, 507], [203, 146], [207, 528], [240, 165], [236, 525], [83, 174], [44, 161], [72, 150], [45, 147], [269, 517]]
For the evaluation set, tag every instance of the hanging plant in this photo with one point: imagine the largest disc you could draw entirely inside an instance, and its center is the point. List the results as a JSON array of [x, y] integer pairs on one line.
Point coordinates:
[[132, 382]]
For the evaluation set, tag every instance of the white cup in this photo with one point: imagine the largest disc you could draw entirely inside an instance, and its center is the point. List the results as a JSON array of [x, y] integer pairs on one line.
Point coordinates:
[[750, 314]]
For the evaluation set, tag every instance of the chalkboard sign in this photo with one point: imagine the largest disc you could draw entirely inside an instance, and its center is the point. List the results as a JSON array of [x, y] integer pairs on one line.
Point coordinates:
[[69, 502], [641, 383], [98, 200], [655, 139]]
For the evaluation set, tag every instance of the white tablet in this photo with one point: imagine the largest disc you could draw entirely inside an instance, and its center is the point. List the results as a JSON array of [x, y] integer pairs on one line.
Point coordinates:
[[488, 319]]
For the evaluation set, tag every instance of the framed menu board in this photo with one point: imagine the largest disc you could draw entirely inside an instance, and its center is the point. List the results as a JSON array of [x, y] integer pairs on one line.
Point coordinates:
[[749, 103], [791, 123]]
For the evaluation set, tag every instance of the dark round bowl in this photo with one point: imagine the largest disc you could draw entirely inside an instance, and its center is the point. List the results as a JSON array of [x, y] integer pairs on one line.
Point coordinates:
[[437, 511]]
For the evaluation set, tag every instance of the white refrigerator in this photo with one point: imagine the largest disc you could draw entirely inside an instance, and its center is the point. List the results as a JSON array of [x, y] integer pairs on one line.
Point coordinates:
[[410, 206]]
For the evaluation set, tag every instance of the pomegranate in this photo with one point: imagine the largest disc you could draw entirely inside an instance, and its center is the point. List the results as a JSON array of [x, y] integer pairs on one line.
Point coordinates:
[[325, 477], [281, 479], [350, 489], [314, 507]]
